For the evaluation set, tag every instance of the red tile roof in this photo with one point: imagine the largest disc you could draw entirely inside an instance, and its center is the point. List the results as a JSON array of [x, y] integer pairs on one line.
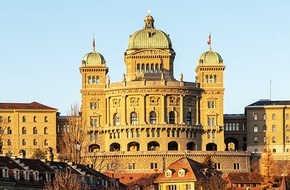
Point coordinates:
[[193, 171], [32, 105], [245, 177], [132, 179]]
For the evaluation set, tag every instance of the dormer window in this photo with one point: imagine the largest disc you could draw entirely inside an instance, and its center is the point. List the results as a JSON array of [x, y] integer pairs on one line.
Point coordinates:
[[5, 172], [36, 176], [48, 176], [16, 174], [168, 173], [26, 175], [181, 173]]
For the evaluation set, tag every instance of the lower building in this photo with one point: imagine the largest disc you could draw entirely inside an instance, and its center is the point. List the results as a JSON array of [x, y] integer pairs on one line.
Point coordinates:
[[268, 124], [235, 126], [26, 127]]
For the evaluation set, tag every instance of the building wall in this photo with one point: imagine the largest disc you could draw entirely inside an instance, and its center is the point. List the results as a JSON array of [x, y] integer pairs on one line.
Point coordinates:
[[145, 162], [15, 141], [235, 126], [268, 126]]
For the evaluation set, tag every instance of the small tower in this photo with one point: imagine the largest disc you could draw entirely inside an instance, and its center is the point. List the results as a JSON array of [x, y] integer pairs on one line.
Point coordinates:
[[210, 71], [94, 72]]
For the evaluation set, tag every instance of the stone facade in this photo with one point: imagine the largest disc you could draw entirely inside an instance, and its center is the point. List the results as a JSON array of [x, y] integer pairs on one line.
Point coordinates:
[[149, 116]]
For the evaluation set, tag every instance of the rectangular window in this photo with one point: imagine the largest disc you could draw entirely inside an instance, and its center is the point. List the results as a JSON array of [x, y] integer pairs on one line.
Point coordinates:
[[94, 122], [236, 166], [153, 165], [131, 166]]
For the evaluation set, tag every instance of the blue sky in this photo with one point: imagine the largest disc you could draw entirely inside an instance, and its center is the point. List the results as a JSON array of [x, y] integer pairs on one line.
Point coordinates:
[[42, 44]]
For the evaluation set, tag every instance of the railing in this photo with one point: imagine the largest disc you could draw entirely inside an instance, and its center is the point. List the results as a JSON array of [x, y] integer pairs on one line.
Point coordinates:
[[151, 84]]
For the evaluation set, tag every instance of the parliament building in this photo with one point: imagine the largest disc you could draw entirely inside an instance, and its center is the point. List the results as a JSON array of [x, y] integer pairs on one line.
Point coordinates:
[[152, 118]]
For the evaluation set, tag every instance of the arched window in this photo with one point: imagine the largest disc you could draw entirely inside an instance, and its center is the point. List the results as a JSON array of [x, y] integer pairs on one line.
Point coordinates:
[[134, 118], [171, 117], [23, 119], [287, 139], [9, 143], [9, 119], [35, 142], [34, 119], [9, 131], [45, 130], [143, 68], [265, 117], [45, 119], [23, 142], [255, 117], [256, 129], [34, 130], [273, 139], [152, 68], [156, 68], [274, 150], [214, 78], [273, 128], [147, 68], [23, 130], [188, 118], [152, 117], [90, 80], [116, 119], [264, 128], [206, 79], [161, 68], [273, 116], [138, 68], [255, 139], [45, 142]]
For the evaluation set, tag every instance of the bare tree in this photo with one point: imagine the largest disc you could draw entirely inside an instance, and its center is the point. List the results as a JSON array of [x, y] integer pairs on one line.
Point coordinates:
[[212, 182], [3, 128], [65, 180], [208, 162], [72, 143]]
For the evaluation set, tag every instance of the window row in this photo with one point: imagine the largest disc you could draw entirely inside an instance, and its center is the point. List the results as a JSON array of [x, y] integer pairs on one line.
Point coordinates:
[[94, 135], [93, 79], [134, 120], [149, 68], [232, 127], [24, 131], [24, 142], [255, 116], [151, 133], [24, 119], [151, 146], [210, 78], [273, 129]]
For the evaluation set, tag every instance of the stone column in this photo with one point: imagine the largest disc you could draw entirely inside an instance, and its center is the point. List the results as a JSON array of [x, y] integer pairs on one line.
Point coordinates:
[[181, 109], [108, 111], [163, 104], [124, 112]]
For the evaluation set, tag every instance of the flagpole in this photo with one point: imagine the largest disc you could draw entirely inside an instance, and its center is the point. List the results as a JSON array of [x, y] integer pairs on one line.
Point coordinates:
[[94, 44]]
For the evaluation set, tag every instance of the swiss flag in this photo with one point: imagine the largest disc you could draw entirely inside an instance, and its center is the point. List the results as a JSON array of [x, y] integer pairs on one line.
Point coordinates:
[[209, 40]]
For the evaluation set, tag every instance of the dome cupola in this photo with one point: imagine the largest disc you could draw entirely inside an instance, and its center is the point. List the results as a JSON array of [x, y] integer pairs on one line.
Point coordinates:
[[149, 37], [93, 58], [210, 58]]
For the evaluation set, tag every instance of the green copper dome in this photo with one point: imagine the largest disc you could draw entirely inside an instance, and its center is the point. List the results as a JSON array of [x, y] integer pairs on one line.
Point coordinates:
[[149, 37], [210, 58], [94, 59]]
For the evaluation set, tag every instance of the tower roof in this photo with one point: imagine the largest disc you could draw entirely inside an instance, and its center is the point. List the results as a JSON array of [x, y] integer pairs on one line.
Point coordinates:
[[94, 59], [210, 58], [149, 37]]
